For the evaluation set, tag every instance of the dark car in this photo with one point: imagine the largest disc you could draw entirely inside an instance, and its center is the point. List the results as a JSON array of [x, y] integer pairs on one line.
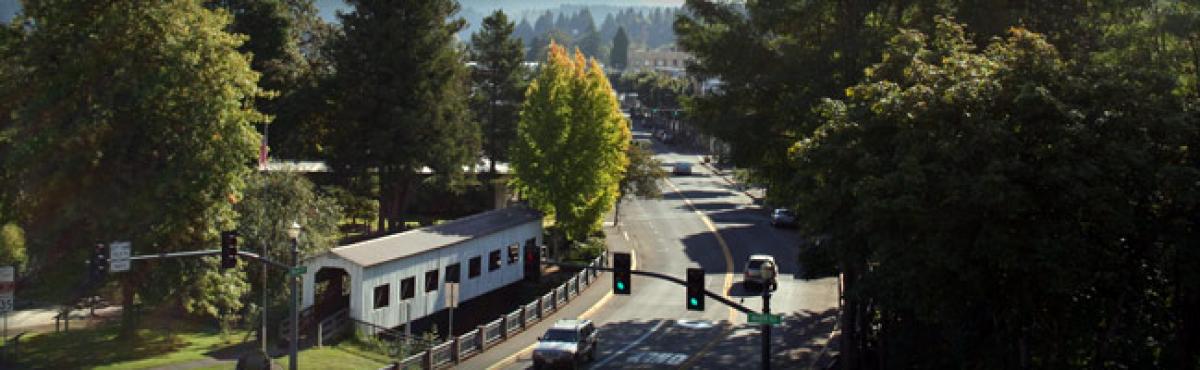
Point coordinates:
[[568, 344], [783, 217]]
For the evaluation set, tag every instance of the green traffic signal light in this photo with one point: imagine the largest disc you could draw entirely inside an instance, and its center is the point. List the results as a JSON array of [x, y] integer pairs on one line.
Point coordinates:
[[621, 273], [695, 289]]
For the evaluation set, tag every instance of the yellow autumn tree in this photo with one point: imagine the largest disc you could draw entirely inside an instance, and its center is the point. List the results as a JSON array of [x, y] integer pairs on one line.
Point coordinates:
[[569, 156]]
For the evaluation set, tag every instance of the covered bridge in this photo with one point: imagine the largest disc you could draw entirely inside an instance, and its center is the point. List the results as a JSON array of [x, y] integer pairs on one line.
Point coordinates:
[[379, 279]]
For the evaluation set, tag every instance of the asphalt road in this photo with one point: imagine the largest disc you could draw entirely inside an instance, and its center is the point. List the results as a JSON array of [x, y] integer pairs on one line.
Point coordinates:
[[701, 221]]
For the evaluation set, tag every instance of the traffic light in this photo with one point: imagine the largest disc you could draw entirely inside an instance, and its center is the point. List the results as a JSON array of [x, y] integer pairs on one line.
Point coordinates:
[[98, 263], [533, 262], [695, 289], [621, 273], [229, 249]]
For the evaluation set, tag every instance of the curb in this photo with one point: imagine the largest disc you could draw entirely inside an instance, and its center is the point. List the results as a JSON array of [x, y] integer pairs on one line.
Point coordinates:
[[729, 180]]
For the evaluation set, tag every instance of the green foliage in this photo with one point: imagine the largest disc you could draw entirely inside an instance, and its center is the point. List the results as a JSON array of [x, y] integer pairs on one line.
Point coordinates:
[[12, 245], [619, 57], [500, 81], [654, 89], [569, 156], [1001, 193], [217, 294], [401, 91], [136, 123], [642, 173], [273, 200]]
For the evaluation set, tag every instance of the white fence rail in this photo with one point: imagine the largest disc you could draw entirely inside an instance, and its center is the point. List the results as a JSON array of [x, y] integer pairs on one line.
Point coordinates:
[[452, 352]]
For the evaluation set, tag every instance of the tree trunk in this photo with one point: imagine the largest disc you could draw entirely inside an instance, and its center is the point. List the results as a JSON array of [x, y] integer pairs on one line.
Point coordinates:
[[128, 316], [617, 209]]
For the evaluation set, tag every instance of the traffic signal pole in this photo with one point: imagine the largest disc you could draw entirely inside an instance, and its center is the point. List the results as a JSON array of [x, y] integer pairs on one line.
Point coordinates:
[[766, 330], [659, 276]]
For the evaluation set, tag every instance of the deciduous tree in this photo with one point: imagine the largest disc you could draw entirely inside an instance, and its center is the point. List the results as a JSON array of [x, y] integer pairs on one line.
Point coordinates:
[[570, 153], [135, 123]]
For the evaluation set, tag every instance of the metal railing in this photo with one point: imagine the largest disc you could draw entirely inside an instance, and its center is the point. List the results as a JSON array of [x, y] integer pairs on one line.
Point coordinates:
[[468, 344], [441, 354], [512, 322], [547, 303], [493, 332], [461, 347]]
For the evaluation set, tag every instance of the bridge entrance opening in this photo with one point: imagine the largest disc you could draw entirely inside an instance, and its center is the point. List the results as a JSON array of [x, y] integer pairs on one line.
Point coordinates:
[[332, 291]]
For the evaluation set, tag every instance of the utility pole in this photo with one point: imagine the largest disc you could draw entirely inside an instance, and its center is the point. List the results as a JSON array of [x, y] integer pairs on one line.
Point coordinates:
[[294, 343], [264, 302]]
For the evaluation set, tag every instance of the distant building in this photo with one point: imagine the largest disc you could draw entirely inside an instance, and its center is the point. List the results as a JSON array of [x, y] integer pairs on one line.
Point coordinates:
[[663, 60]]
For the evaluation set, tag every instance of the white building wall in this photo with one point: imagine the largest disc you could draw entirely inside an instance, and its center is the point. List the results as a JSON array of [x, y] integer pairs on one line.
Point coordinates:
[[308, 283], [364, 281]]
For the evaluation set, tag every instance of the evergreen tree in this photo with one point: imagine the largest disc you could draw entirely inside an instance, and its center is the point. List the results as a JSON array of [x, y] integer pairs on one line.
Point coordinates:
[[569, 156], [620, 50], [499, 78], [402, 91]]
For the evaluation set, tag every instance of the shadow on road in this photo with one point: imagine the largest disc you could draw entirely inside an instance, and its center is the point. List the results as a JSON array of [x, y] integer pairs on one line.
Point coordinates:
[[795, 344], [695, 194]]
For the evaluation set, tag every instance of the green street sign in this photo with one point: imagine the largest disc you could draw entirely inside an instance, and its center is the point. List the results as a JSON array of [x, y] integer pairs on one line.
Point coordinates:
[[298, 270], [759, 318]]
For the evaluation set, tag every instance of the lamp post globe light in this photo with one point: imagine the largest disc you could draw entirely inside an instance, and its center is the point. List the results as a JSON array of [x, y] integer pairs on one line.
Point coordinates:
[[293, 232]]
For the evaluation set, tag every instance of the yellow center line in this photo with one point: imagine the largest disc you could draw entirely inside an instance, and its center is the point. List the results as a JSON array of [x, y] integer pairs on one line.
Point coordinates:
[[728, 276]]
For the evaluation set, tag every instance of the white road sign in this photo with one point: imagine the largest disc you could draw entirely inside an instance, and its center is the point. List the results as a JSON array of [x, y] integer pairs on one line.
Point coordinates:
[[452, 295], [7, 287], [118, 256]]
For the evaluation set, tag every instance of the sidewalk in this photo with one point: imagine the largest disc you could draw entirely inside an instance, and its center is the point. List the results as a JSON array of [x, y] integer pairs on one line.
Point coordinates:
[[755, 193], [42, 319]]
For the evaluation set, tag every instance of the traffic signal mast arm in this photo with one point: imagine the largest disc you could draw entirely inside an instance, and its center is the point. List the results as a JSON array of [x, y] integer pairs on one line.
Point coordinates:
[[661, 276], [211, 252]]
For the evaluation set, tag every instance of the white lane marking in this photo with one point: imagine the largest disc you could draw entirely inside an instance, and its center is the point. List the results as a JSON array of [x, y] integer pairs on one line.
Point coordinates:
[[694, 324], [625, 234], [630, 345], [658, 358]]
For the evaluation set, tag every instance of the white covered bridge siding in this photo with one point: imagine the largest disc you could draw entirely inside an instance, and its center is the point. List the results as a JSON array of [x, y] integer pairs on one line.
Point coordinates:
[[483, 251]]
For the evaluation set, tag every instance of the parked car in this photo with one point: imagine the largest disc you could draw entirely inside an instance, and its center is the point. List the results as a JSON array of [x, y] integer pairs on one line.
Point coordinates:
[[783, 217], [682, 169], [569, 343], [755, 272]]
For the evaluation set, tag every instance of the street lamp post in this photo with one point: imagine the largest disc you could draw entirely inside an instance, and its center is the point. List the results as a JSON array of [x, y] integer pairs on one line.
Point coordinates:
[[294, 233]]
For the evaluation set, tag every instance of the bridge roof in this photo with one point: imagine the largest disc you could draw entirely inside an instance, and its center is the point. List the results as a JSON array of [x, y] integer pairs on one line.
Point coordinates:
[[387, 248]]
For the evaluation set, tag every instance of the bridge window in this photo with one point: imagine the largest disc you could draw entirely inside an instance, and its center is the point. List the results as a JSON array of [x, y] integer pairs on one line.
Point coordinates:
[[408, 288], [474, 268], [381, 295], [514, 254], [431, 281], [494, 260], [454, 273]]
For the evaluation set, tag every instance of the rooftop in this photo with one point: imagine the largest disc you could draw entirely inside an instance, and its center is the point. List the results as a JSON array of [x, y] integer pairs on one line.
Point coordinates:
[[387, 248]]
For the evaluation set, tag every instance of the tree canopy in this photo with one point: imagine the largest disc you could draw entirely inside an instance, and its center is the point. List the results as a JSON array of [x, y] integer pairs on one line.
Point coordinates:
[[499, 79], [570, 153], [122, 108], [1021, 205], [401, 91]]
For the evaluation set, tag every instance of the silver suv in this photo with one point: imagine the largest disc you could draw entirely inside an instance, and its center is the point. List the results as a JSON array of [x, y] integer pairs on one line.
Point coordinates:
[[568, 344], [756, 271]]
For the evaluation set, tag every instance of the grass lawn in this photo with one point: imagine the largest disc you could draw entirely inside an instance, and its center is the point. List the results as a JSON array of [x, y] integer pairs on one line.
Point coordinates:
[[337, 357], [100, 348]]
